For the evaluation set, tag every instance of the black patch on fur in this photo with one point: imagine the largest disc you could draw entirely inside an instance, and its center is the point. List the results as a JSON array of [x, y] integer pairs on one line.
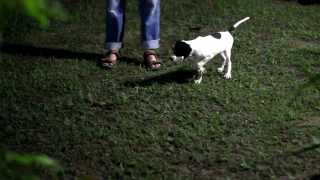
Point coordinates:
[[216, 35], [182, 49]]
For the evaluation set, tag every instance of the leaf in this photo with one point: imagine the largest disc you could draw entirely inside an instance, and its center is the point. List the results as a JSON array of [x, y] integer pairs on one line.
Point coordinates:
[[36, 9], [45, 161], [39, 10], [28, 160], [20, 159]]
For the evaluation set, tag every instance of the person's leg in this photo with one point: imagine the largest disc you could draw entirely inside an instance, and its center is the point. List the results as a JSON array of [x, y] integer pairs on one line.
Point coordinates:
[[115, 17], [150, 23], [150, 30]]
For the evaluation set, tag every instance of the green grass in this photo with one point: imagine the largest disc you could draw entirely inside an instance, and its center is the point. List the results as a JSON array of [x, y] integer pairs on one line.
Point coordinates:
[[133, 123]]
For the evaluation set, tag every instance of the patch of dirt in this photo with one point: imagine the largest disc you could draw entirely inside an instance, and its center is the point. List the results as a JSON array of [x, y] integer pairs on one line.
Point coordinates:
[[302, 43], [310, 121]]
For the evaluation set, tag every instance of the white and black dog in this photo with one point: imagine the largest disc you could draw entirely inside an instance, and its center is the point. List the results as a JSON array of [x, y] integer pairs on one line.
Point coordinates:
[[203, 48]]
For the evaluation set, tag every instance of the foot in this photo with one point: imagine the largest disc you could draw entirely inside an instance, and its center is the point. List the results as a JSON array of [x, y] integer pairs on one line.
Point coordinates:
[[151, 59], [198, 78], [110, 59], [227, 76], [198, 81], [220, 69]]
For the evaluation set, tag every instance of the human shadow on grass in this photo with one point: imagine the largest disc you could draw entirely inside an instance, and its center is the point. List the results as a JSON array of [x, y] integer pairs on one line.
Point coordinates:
[[179, 76], [58, 53]]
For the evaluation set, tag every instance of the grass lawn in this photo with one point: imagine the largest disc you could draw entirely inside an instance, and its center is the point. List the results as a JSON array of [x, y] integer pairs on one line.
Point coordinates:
[[132, 123]]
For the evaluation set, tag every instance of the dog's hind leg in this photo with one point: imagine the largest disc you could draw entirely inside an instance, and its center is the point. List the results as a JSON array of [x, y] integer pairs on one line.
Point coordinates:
[[221, 68]]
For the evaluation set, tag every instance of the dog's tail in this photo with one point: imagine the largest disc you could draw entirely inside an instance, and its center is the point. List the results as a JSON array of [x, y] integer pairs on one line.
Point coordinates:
[[232, 28]]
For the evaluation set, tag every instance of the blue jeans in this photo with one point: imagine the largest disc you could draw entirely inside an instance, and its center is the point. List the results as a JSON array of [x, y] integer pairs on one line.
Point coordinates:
[[150, 23]]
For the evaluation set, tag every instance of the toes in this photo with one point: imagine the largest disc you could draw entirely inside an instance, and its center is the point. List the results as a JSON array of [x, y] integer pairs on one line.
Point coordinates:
[[227, 76], [198, 81], [109, 60], [151, 60], [155, 66]]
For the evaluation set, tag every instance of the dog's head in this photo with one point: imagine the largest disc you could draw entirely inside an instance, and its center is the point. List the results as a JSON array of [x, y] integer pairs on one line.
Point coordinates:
[[181, 51]]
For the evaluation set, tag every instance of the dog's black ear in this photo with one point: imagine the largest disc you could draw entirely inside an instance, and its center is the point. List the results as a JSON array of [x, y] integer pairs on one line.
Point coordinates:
[[182, 49], [216, 35]]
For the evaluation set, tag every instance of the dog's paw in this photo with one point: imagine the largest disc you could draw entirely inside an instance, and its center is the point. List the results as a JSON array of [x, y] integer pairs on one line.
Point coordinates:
[[227, 76], [197, 81], [202, 70], [220, 70]]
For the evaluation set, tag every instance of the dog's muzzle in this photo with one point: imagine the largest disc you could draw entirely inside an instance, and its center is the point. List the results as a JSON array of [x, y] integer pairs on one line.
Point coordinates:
[[173, 58], [176, 59]]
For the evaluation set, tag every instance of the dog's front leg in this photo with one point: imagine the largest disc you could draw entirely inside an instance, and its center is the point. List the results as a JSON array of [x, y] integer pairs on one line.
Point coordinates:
[[201, 70]]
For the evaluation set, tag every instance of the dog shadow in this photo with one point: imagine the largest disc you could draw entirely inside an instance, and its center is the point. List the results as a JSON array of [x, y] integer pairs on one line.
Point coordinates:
[[179, 76], [58, 53]]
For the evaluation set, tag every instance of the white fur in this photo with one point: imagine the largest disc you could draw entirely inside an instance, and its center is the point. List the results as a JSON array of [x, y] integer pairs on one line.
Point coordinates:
[[204, 48], [240, 22]]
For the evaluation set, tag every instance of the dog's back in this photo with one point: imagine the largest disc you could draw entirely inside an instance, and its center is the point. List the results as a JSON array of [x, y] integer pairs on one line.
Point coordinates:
[[211, 44]]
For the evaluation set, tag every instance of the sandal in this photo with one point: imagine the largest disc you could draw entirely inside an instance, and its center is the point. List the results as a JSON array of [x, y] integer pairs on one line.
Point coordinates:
[[153, 64], [106, 61]]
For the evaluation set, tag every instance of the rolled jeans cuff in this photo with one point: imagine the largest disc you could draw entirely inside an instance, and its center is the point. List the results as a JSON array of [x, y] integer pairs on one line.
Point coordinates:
[[113, 45], [151, 44]]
